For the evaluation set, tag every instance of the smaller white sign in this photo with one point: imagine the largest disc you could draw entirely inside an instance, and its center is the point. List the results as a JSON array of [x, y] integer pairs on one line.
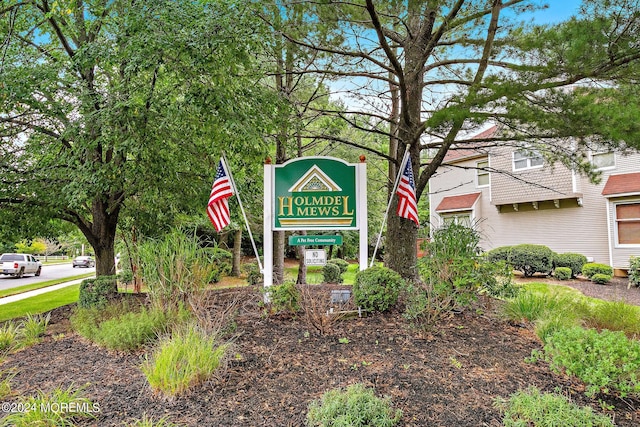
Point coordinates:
[[315, 257]]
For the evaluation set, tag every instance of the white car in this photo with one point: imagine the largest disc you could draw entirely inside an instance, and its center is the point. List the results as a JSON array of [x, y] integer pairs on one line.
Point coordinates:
[[18, 265]]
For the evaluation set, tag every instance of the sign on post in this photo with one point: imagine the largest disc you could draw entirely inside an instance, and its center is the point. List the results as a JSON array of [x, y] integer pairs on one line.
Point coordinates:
[[315, 257], [314, 240]]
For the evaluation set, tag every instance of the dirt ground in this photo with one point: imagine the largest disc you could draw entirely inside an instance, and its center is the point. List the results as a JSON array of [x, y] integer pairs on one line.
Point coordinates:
[[278, 365]]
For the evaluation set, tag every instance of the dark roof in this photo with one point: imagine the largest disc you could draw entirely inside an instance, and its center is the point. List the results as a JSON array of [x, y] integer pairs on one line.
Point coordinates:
[[469, 150]]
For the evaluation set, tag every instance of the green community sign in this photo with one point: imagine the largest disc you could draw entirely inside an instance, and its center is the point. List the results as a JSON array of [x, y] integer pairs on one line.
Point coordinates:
[[315, 193], [314, 240]]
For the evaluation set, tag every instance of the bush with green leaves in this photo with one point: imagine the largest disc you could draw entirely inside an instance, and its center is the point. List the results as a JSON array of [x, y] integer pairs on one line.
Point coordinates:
[[592, 268], [607, 361], [531, 259], [634, 271], [183, 360], [343, 264], [9, 333], [60, 407], [221, 260], [357, 406], [32, 328], [601, 279], [376, 288], [533, 408], [132, 330], [562, 273], [284, 297], [97, 291], [571, 260], [502, 253], [254, 276], [331, 273]]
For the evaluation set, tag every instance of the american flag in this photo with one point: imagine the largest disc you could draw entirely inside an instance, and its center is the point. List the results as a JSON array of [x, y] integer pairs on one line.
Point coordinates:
[[218, 207], [407, 203]]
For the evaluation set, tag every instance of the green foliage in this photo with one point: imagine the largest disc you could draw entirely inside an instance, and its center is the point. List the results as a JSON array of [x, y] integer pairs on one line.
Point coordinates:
[[376, 288], [59, 408], [615, 316], [222, 260], [532, 306], [591, 268], [607, 361], [502, 253], [189, 357], [357, 406], [119, 326], [5, 383], [531, 259], [9, 333], [562, 273], [573, 261], [634, 271], [533, 408], [174, 269], [284, 297], [253, 273], [343, 264], [32, 328], [601, 279], [331, 273], [97, 291]]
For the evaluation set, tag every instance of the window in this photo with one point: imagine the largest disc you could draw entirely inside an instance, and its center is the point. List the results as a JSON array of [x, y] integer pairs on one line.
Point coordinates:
[[463, 218], [527, 159], [482, 175], [603, 160], [628, 223]]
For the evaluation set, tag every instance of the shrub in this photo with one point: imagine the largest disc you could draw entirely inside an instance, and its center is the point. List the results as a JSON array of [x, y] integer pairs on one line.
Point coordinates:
[[357, 406], [97, 291], [562, 273], [340, 263], [131, 331], [254, 276], [533, 408], [376, 288], [591, 268], [57, 408], [571, 260], [605, 361], [284, 297], [531, 259], [502, 253], [533, 306], [222, 259], [601, 279], [9, 332], [187, 358], [634, 271], [5, 383], [331, 273]]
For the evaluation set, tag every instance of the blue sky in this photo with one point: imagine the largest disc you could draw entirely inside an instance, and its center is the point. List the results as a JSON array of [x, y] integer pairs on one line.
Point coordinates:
[[558, 10]]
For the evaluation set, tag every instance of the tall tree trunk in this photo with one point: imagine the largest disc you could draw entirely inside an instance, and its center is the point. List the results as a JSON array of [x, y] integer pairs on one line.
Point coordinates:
[[237, 252], [302, 267]]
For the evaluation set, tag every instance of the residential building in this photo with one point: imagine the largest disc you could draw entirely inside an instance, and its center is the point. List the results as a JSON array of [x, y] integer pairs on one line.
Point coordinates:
[[513, 196]]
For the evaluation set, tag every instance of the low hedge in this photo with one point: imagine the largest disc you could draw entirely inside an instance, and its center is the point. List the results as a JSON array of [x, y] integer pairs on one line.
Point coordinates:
[[562, 273], [97, 291], [592, 268], [571, 260], [531, 259], [377, 288]]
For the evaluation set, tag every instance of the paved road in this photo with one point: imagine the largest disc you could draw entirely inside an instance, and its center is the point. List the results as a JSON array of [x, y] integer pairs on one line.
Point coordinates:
[[49, 272]]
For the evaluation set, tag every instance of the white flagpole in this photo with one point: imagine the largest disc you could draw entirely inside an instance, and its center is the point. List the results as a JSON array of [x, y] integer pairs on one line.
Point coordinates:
[[244, 215], [393, 192]]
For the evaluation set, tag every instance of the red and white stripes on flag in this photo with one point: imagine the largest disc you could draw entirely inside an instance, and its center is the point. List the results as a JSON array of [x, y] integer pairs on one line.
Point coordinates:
[[218, 207], [407, 203]]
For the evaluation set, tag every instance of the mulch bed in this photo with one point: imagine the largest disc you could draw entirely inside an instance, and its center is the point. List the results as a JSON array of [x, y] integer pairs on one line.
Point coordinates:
[[279, 364]]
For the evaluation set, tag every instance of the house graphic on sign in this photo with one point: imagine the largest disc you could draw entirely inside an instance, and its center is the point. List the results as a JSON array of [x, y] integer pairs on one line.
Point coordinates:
[[314, 180]]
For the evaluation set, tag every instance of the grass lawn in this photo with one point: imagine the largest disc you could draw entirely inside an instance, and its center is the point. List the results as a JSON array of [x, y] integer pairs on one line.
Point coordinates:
[[40, 303], [314, 274], [25, 288]]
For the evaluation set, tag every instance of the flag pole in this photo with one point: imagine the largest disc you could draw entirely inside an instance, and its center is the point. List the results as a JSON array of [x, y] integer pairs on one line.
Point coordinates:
[[386, 213], [244, 215]]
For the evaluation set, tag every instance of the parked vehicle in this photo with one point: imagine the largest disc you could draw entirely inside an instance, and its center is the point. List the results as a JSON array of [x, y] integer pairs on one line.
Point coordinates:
[[84, 261], [18, 265]]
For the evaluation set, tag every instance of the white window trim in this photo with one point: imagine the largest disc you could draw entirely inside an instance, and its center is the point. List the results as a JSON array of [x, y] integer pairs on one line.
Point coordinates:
[[615, 224], [478, 171], [529, 157], [605, 168], [455, 214]]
